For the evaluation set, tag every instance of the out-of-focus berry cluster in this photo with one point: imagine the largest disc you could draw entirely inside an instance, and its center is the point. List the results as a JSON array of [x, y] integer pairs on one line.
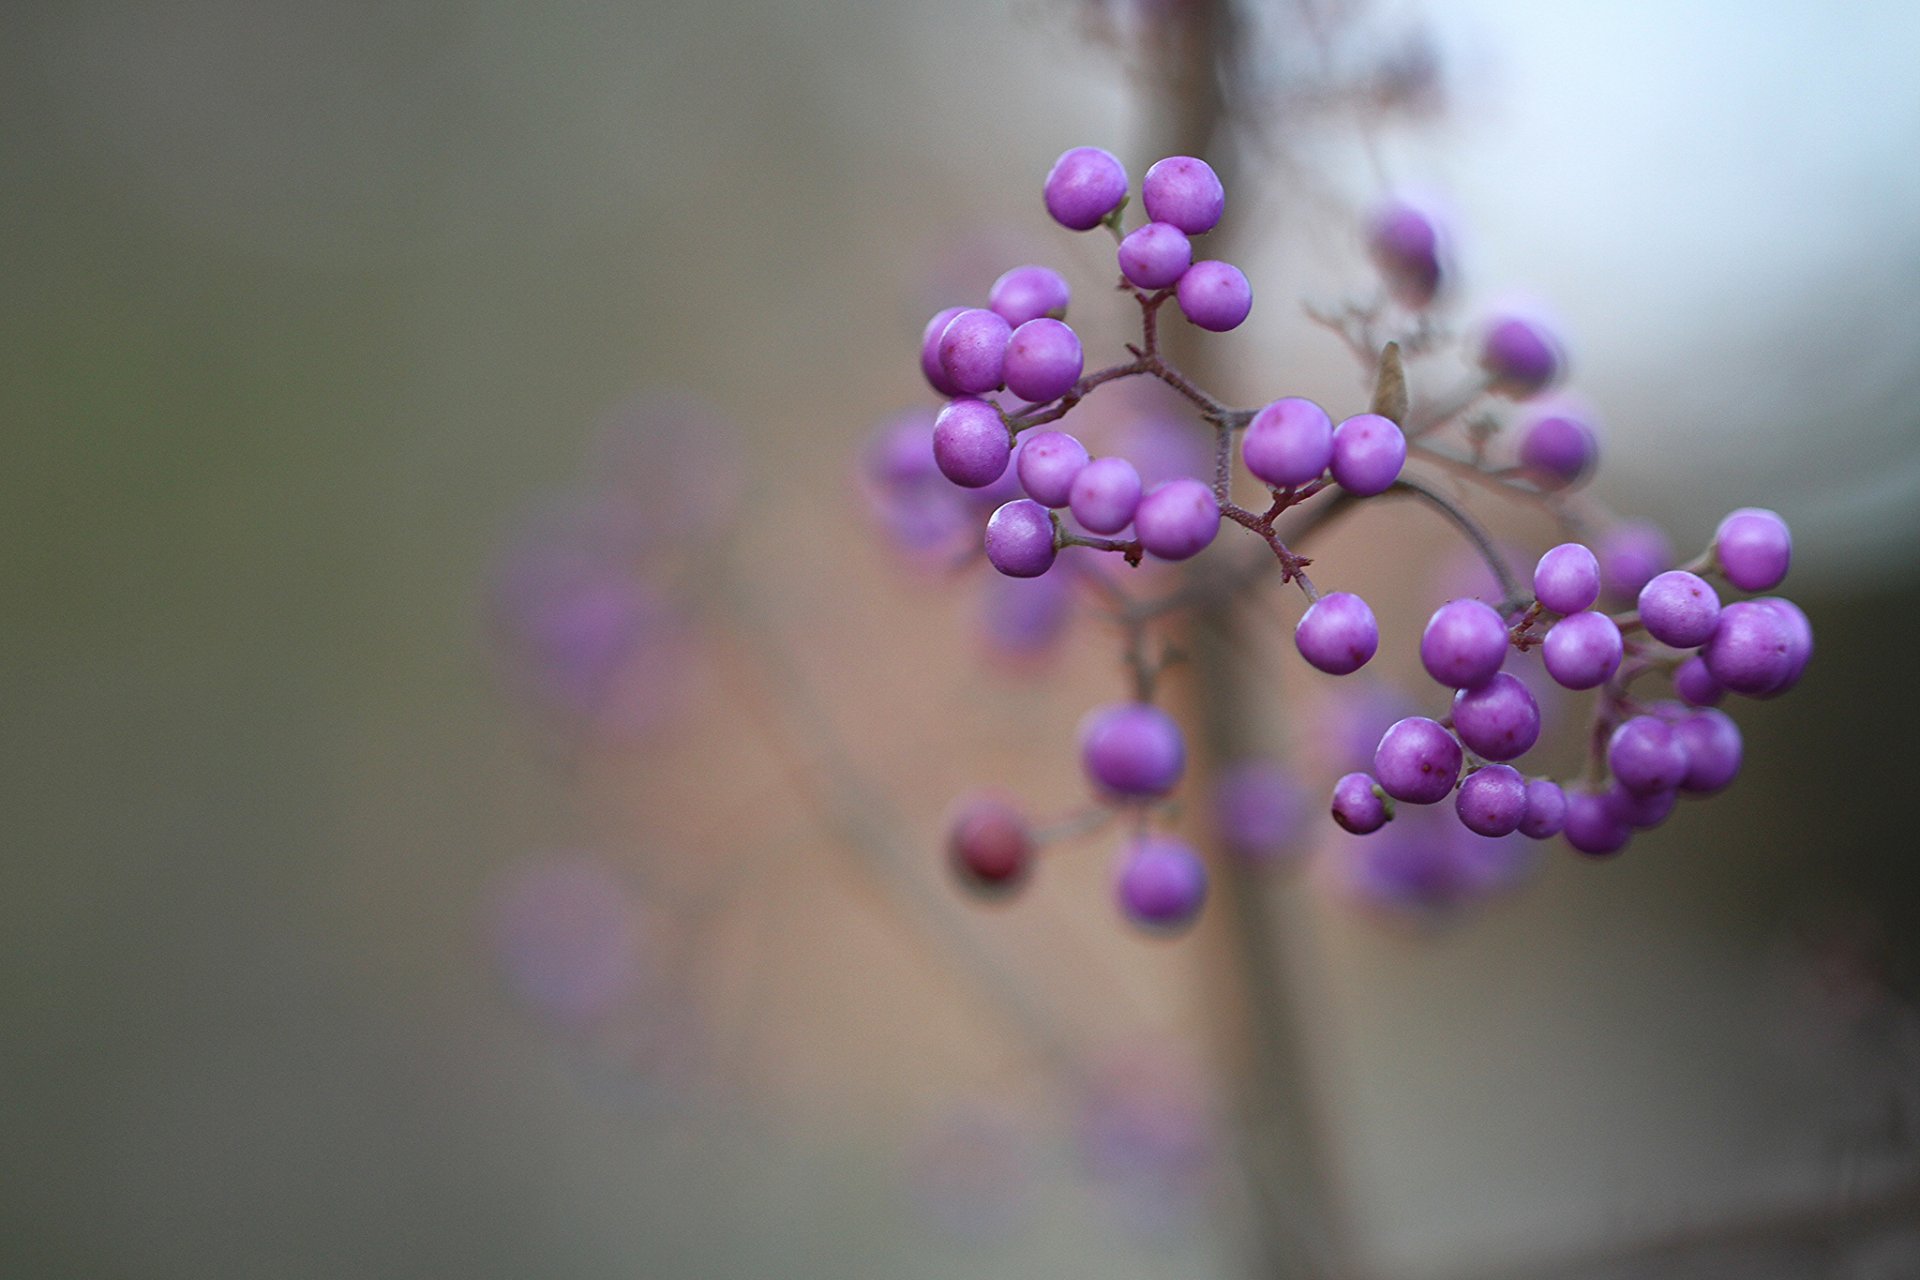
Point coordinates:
[[1606, 612]]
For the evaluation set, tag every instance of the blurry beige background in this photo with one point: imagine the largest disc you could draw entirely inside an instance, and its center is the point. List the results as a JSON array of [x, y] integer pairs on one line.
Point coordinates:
[[306, 307]]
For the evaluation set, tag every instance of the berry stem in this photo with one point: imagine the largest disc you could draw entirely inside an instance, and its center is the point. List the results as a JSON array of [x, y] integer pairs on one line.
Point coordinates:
[[1515, 596]]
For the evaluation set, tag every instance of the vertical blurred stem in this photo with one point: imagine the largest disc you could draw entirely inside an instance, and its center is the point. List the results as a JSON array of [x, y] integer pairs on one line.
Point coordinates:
[[1294, 1232]]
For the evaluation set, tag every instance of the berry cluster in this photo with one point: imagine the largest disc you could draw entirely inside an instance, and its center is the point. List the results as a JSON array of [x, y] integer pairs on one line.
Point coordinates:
[[1014, 369]]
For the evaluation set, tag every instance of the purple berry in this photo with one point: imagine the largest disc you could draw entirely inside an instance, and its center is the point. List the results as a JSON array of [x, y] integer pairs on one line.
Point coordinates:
[[1177, 519], [1258, 809], [1132, 749], [1289, 442], [1546, 810], [1368, 452], [989, 846], [1155, 256], [1357, 807], [1641, 810], [1021, 620], [1592, 827], [1492, 801], [1020, 539], [1644, 755], [1405, 246], [1499, 720], [1752, 649], [1567, 579], [1043, 360], [1417, 761], [1713, 747], [1337, 634], [973, 350], [970, 443], [1679, 608], [1558, 451], [1214, 295], [1520, 357], [1048, 465], [1799, 642], [1582, 650], [1630, 554], [1464, 644], [930, 352], [1695, 684], [1105, 495], [1083, 187], [1754, 549], [1161, 882], [1028, 293], [1185, 192]]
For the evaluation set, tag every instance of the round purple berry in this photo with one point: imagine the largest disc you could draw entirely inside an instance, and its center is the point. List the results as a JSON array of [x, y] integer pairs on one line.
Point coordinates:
[[1641, 810], [1754, 549], [1464, 643], [1357, 805], [1289, 442], [1258, 809], [1546, 810], [1083, 187], [1499, 720], [1520, 357], [1368, 452], [1161, 882], [1132, 749], [1155, 256], [1679, 608], [1799, 642], [1695, 684], [1043, 360], [1020, 539], [1048, 464], [1592, 827], [989, 846], [1417, 761], [1405, 245], [1492, 800], [1644, 755], [970, 443], [1558, 451], [1105, 495], [1185, 192], [1713, 747], [1214, 295], [1337, 634], [1582, 650], [1028, 293], [1177, 519], [1630, 554], [973, 350], [1752, 649], [1567, 579], [930, 352]]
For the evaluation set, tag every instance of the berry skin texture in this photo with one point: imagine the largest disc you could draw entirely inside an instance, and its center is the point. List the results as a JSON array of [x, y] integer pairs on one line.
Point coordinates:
[[930, 352], [1405, 246], [1020, 539], [1464, 644], [1288, 443], [1521, 358], [1132, 750], [1645, 756], [1679, 608], [970, 443], [1754, 549], [1048, 464], [1043, 360], [1155, 256], [1567, 579], [1357, 807], [1337, 634], [1499, 720], [1417, 761], [1105, 495], [989, 846], [1582, 650], [1214, 295], [1757, 648], [1177, 520], [1184, 192], [1558, 451], [1546, 810], [1492, 801], [973, 350], [1028, 293], [1083, 187], [1592, 827], [1161, 883], [1368, 452]]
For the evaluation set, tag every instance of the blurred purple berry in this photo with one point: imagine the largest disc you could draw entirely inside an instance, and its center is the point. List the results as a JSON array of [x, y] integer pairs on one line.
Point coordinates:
[[989, 846], [1592, 827], [1499, 720], [1258, 810], [1644, 755], [1546, 810], [930, 352], [1631, 553], [1754, 549], [1132, 750], [1405, 246], [1029, 293], [1105, 495], [1521, 357], [1558, 451], [1679, 608], [1695, 684], [1713, 748], [1048, 464], [1161, 882]]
